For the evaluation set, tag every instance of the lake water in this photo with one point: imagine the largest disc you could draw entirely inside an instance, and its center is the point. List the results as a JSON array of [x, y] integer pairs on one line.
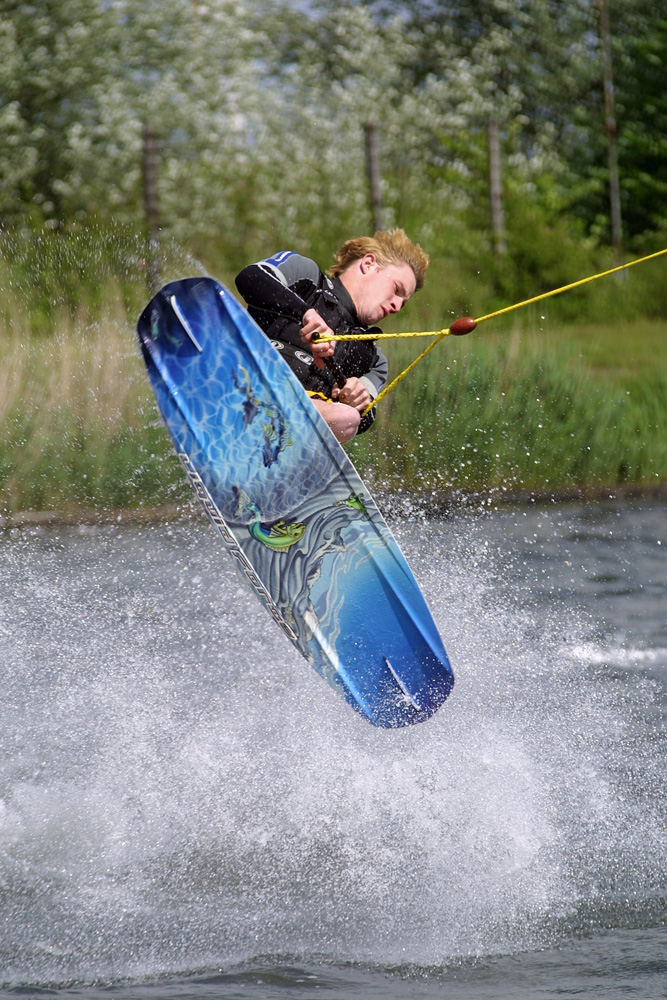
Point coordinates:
[[188, 811]]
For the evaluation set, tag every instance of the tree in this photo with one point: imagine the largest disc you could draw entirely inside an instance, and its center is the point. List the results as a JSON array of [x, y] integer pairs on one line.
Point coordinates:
[[642, 137], [49, 63], [259, 112], [508, 74], [79, 80]]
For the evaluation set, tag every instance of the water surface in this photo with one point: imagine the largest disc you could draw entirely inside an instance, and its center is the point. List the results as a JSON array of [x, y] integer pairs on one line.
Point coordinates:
[[187, 810]]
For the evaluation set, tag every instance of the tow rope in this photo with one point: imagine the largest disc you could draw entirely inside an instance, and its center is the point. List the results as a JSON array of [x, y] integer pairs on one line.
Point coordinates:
[[466, 324]]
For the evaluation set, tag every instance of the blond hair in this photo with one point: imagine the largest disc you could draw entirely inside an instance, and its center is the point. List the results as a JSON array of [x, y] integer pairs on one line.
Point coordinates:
[[390, 246]]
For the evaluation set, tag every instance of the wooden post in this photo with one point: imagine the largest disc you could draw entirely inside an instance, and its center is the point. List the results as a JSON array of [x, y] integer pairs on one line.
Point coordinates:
[[496, 188], [373, 173], [151, 208], [610, 128]]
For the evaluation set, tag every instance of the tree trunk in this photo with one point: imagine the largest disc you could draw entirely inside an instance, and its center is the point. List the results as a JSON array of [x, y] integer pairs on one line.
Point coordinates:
[[373, 172], [151, 208], [610, 128], [496, 189]]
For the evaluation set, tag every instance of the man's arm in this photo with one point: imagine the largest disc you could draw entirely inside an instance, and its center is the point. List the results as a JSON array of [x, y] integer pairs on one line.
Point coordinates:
[[377, 376], [266, 288], [266, 284]]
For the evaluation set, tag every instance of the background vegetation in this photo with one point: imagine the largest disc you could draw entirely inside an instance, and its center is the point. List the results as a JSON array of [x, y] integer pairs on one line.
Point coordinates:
[[259, 111]]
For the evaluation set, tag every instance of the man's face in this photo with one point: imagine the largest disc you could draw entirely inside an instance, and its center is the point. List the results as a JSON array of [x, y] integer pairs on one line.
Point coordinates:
[[379, 291]]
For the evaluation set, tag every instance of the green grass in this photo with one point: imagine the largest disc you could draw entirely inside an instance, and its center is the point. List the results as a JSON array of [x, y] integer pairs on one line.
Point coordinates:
[[510, 408], [79, 425], [522, 409]]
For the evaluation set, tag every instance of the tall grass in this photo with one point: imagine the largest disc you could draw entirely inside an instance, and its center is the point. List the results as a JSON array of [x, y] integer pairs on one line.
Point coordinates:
[[524, 411], [510, 412], [80, 428], [547, 405]]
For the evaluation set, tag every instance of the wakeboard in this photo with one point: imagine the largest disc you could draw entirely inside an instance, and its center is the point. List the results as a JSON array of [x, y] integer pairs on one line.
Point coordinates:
[[289, 505]]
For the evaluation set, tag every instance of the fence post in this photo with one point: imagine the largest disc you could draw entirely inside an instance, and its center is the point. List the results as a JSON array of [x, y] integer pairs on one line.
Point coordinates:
[[151, 208], [373, 173], [496, 188], [610, 128]]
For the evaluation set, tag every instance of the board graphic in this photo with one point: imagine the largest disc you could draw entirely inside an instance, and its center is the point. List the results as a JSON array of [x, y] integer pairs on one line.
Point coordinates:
[[289, 505]]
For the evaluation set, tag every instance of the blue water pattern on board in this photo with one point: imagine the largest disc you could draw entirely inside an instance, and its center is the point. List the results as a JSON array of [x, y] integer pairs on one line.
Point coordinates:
[[290, 506]]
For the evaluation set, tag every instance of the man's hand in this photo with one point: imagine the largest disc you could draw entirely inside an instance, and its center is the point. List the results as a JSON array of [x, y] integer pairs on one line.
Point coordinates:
[[354, 393], [312, 325]]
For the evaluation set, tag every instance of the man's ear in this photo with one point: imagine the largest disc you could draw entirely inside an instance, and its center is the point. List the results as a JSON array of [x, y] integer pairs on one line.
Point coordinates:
[[367, 261]]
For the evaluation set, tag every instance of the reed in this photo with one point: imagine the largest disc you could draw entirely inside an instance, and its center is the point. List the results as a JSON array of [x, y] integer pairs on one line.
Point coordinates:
[[504, 411], [80, 427], [519, 410]]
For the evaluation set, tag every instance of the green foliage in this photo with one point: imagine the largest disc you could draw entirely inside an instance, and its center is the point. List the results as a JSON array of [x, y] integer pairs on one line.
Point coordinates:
[[50, 276], [50, 66], [519, 413], [80, 427], [76, 468], [259, 112], [506, 410], [643, 136]]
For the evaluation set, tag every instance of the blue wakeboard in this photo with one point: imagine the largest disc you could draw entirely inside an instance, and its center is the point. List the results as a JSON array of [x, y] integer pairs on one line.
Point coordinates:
[[289, 505]]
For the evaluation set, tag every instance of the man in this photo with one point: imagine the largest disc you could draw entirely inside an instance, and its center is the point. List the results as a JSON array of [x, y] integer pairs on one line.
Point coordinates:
[[294, 302]]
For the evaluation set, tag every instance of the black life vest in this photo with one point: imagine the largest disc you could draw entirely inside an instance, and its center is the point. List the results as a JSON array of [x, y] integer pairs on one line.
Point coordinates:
[[350, 358]]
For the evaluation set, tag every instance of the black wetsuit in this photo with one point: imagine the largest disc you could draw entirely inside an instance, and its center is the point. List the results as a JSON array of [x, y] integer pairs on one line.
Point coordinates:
[[279, 290]]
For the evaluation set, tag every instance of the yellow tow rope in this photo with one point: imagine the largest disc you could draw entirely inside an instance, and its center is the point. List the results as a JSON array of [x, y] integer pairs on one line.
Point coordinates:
[[466, 324]]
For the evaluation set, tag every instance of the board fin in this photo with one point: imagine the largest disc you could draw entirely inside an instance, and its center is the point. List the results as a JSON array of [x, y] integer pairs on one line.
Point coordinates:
[[173, 302], [409, 697]]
